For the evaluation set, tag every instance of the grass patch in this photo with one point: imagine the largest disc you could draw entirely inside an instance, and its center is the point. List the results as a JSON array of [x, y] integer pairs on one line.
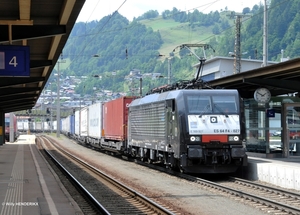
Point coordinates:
[[175, 33]]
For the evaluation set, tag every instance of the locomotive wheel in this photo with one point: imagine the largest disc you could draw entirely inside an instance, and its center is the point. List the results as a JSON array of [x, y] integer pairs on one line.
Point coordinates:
[[149, 161], [181, 170]]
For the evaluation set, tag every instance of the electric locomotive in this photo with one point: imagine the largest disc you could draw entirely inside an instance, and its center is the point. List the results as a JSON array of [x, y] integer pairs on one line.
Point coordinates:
[[193, 130]]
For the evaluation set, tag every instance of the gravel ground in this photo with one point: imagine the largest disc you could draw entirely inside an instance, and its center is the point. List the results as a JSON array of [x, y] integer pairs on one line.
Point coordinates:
[[180, 194]]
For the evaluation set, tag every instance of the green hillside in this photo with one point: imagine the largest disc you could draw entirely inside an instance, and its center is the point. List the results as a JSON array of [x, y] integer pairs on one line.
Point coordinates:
[[146, 44], [175, 33]]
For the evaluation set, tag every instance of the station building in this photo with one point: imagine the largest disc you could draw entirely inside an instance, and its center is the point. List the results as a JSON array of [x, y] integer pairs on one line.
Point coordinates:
[[273, 127]]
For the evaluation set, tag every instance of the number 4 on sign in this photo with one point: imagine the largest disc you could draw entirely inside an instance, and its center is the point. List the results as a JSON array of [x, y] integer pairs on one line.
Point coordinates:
[[13, 61]]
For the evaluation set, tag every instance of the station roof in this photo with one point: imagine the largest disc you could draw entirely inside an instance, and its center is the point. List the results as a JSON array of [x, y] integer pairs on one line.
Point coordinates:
[[44, 26], [282, 78]]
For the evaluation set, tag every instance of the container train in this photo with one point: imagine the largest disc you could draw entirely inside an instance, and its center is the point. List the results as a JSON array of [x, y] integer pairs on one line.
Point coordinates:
[[25, 126], [194, 131]]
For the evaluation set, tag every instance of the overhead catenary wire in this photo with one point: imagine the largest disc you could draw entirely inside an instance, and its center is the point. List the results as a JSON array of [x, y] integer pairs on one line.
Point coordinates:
[[90, 41]]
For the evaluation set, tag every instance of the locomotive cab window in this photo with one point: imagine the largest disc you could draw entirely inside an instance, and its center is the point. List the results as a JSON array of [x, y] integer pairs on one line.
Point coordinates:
[[215, 104], [199, 104], [224, 104]]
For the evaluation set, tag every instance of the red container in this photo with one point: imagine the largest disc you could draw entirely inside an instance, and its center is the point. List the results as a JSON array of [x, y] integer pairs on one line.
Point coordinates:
[[115, 117]]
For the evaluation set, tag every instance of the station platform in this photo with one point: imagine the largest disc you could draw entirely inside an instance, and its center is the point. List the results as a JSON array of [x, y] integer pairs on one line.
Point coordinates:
[[28, 185], [282, 172]]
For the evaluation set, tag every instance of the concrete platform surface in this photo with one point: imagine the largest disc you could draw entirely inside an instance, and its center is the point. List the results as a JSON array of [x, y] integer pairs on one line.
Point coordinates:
[[282, 172], [28, 185]]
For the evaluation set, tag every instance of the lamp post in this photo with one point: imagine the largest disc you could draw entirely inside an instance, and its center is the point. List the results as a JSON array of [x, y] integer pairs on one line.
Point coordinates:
[[157, 76], [58, 99], [11, 128], [169, 69], [51, 123]]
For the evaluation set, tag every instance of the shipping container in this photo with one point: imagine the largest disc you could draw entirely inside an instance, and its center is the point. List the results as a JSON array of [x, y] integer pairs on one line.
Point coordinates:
[[72, 125], [77, 123], [115, 117], [95, 120], [65, 125], [84, 122], [68, 127], [38, 127], [22, 125], [47, 126], [54, 125]]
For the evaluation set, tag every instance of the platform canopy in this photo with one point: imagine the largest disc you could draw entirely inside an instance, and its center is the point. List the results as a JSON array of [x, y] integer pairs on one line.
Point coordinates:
[[42, 25], [281, 79]]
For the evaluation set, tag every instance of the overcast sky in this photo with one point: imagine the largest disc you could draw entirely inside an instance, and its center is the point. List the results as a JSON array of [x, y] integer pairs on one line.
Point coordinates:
[[96, 9]]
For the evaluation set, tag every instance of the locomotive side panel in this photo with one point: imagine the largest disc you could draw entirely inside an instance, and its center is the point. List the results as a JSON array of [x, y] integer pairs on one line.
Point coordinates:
[[153, 130], [148, 127]]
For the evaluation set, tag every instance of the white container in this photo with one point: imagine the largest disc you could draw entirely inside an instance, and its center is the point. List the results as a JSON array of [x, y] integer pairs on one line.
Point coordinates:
[[95, 120], [84, 122], [77, 123]]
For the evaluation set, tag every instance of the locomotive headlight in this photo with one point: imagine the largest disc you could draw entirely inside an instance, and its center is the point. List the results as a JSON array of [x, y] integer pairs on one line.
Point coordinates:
[[233, 138], [194, 139]]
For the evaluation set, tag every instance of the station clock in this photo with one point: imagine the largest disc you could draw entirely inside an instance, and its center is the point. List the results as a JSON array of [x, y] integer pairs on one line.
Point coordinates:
[[262, 95]]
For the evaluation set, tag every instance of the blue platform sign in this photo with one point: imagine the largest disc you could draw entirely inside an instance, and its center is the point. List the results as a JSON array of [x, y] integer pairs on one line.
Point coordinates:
[[270, 113], [14, 61]]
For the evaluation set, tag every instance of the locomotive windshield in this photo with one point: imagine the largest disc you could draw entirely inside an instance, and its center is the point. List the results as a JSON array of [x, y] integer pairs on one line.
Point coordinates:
[[214, 104]]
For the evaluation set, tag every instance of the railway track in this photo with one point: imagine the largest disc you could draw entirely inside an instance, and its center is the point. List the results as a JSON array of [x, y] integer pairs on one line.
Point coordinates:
[[266, 198], [105, 193], [279, 199], [269, 199]]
